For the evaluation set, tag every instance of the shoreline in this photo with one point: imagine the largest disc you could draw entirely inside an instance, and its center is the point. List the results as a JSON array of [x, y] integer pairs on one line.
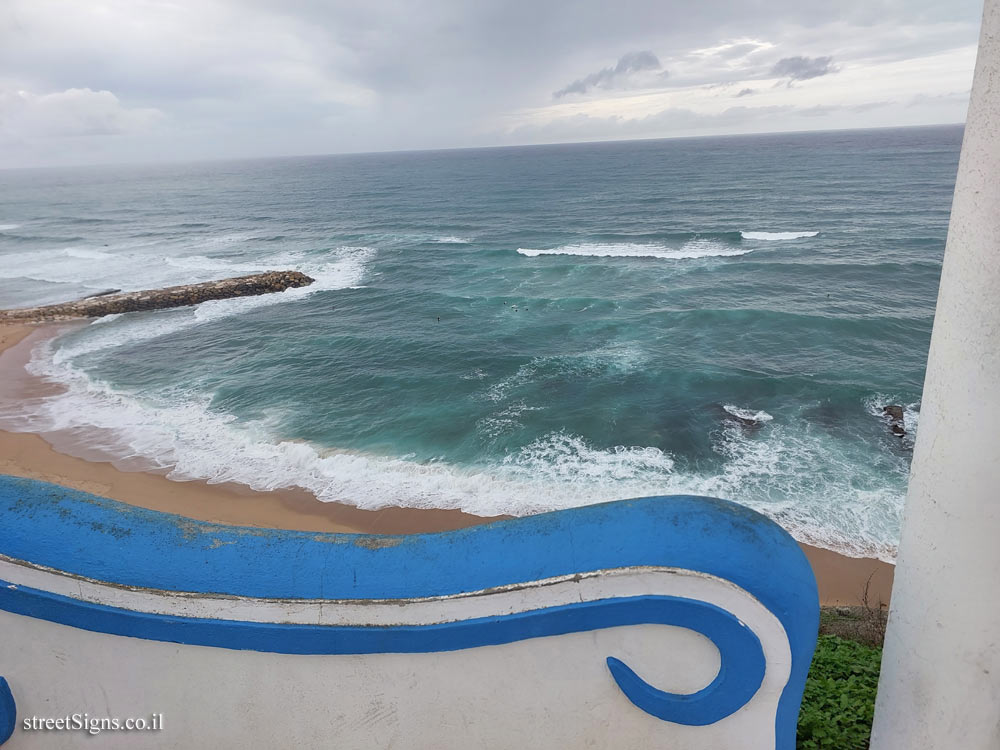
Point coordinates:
[[841, 579]]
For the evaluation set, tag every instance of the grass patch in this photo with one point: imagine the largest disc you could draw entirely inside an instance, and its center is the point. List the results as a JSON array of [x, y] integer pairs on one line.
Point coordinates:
[[839, 699]]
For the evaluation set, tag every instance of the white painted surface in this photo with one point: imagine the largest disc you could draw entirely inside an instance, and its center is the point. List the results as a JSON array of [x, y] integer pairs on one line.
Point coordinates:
[[553, 692], [503, 600], [940, 684]]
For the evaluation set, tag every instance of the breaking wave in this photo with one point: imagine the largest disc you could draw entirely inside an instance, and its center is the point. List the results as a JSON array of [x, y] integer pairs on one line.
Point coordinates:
[[776, 235], [696, 248], [785, 471], [748, 414]]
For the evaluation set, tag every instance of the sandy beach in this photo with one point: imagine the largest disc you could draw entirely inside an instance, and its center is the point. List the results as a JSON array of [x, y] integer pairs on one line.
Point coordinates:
[[841, 579]]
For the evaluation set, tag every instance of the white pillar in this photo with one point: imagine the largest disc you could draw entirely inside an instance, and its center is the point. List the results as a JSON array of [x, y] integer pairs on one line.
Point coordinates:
[[940, 685]]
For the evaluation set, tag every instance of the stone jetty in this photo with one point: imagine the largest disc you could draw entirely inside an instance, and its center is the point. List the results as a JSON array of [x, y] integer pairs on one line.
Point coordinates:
[[157, 299]]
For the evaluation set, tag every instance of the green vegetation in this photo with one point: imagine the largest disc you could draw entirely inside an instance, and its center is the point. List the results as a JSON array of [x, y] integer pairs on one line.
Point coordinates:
[[839, 700], [865, 624]]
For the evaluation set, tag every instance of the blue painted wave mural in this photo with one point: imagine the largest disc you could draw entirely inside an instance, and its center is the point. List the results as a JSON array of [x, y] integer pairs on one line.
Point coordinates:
[[107, 541]]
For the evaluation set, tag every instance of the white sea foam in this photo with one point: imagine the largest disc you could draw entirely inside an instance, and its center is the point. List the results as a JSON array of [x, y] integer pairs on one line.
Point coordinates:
[[811, 486], [876, 403], [592, 363], [696, 248], [66, 265], [756, 416], [193, 441], [134, 267], [776, 472], [8, 227], [86, 253], [776, 235], [104, 319], [569, 460], [775, 475], [451, 240], [228, 239], [505, 420]]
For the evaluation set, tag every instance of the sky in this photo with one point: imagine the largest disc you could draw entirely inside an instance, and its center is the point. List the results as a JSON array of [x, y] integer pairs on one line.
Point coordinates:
[[87, 82]]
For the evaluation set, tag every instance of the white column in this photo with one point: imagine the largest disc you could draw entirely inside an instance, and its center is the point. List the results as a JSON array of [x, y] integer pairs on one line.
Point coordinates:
[[940, 685]]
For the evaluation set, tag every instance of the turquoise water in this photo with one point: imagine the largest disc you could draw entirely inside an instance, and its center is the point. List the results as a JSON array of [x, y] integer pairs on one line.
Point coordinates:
[[511, 330]]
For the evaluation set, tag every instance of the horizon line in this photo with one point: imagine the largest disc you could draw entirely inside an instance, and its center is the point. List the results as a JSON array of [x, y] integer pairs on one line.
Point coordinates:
[[330, 154]]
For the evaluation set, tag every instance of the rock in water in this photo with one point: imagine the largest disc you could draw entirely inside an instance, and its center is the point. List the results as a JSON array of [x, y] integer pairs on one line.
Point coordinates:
[[157, 299], [743, 421], [894, 412], [746, 418]]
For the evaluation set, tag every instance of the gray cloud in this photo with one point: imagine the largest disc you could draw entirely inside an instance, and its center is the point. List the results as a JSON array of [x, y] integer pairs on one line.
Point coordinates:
[[631, 62], [951, 97], [746, 92], [803, 68], [72, 113], [821, 110], [192, 79], [674, 121], [666, 122]]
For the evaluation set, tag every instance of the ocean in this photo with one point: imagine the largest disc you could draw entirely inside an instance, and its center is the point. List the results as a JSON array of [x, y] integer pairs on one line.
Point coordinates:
[[509, 330]]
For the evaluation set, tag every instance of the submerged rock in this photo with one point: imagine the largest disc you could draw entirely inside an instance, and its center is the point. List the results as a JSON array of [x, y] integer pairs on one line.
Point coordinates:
[[110, 303], [746, 418], [743, 421]]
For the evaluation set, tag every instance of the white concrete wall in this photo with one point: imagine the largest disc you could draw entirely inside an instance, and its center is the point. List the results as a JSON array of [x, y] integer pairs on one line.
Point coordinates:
[[552, 692], [940, 684]]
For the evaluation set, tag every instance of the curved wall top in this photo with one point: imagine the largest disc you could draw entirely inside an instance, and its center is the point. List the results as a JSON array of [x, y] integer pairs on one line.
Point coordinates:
[[49, 533]]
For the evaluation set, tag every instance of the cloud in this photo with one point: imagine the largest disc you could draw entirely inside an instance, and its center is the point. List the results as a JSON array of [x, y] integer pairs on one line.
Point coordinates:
[[741, 49], [746, 92], [952, 97], [684, 121], [629, 63], [822, 110], [803, 68], [666, 122], [198, 79], [71, 113]]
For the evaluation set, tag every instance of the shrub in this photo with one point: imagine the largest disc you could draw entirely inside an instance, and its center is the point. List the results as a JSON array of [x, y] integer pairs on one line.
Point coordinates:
[[839, 699]]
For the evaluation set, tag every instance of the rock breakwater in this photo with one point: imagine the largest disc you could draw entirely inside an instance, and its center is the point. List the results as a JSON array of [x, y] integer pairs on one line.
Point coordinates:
[[157, 299]]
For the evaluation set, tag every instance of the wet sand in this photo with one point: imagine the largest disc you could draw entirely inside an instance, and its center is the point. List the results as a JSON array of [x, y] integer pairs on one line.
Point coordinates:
[[841, 579]]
